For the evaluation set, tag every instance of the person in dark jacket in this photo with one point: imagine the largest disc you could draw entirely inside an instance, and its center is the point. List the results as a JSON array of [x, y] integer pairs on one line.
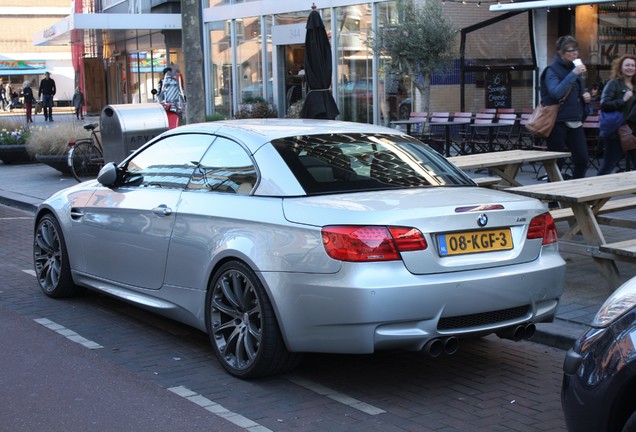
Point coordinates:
[[27, 97], [618, 95], [563, 82], [46, 93], [78, 103]]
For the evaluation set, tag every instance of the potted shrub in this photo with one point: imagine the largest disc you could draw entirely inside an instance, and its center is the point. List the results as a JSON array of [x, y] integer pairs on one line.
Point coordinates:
[[255, 107], [13, 137], [50, 144]]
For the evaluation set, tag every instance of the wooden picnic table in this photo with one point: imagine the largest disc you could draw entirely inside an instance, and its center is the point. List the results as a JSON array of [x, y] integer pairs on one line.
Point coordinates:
[[506, 164], [588, 198]]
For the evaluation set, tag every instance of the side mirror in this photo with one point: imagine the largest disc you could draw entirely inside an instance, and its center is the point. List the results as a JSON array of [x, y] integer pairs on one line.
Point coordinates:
[[108, 175]]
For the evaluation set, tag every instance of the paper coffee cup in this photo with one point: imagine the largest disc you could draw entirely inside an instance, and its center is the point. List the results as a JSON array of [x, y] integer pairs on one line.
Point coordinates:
[[577, 62]]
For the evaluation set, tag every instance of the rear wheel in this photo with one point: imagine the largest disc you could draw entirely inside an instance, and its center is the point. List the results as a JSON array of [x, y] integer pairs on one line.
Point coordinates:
[[242, 325], [50, 258], [85, 160]]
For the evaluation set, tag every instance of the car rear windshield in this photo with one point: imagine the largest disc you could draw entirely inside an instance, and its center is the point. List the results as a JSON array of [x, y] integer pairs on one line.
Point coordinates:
[[332, 163]]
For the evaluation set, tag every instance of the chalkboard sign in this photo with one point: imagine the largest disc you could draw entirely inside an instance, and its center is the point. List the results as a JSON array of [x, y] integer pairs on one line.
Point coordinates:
[[498, 94]]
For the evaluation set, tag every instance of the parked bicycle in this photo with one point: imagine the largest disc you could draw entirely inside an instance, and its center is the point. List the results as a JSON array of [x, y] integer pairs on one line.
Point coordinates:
[[86, 156]]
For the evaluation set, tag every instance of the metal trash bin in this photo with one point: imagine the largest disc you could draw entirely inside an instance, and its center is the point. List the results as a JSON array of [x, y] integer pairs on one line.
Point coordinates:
[[125, 128]]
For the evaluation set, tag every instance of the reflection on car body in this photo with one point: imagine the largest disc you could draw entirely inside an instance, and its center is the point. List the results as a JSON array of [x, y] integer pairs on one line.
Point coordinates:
[[279, 237], [600, 370]]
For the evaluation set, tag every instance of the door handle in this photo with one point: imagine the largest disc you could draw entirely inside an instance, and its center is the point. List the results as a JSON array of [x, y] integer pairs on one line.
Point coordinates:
[[162, 210]]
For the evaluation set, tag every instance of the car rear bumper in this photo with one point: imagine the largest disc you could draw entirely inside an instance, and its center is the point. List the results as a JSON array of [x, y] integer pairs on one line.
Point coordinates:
[[385, 306]]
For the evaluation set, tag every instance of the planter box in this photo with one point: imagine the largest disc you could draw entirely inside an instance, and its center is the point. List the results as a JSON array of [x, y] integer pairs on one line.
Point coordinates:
[[15, 154], [59, 162]]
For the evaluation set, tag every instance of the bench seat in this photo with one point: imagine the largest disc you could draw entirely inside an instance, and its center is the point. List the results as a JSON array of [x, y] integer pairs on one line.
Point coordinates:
[[610, 206], [625, 248], [486, 181]]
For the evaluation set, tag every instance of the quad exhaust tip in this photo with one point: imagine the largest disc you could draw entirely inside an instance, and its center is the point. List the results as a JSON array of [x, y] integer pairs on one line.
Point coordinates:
[[517, 333], [439, 346]]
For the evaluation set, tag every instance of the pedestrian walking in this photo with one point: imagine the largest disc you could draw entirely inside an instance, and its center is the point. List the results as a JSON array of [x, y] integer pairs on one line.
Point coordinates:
[[3, 96], [27, 97], [78, 103], [563, 83], [618, 95], [46, 93]]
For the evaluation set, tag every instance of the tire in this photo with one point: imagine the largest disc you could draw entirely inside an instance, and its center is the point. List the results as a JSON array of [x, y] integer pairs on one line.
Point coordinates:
[[50, 258], [242, 325], [85, 160], [630, 424]]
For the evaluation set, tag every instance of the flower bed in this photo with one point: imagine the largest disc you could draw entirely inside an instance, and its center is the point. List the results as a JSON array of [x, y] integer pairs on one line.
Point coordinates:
[[13, 137]]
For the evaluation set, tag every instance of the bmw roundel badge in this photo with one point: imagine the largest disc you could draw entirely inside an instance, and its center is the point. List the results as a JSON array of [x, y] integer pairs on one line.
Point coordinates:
[[482, 220]]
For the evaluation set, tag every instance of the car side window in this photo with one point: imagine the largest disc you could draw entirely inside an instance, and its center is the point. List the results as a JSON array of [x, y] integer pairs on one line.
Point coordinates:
[[225, 167], [169, 163]]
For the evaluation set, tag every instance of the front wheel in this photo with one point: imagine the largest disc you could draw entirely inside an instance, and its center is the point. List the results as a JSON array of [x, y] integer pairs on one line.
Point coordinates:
[[85, 160], [242, 325], [50, 258]]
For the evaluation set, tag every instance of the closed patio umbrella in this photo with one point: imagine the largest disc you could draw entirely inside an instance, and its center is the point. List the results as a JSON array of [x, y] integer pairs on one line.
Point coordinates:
[[319, 102]]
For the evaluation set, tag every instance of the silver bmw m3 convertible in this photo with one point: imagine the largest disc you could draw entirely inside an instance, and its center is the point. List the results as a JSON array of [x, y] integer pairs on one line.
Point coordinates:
[[280, 237]]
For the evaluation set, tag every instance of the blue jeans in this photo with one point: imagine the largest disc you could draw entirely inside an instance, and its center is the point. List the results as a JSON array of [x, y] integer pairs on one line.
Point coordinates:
[[612, 153], [562, 138], [47, 106]]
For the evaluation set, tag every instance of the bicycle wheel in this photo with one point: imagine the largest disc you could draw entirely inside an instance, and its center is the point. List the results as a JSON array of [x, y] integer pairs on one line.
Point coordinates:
[[85, 160]]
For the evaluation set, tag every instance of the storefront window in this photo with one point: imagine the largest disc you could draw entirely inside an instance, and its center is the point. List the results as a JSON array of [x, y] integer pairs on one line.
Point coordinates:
[[354, 60], [221, 71], [393, 85], [146, 68], [498, 74], [250, 62]]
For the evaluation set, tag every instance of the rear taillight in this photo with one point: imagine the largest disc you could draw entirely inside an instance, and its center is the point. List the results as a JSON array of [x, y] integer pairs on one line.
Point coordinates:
[[371, 243], [543, 226]]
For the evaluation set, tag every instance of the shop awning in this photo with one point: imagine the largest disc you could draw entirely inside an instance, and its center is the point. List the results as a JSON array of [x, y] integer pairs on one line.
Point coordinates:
[[21, 67], [542, 4], [60, 32]]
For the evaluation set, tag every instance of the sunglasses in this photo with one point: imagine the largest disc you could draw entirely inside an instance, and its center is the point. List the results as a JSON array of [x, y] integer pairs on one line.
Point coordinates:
[[572, 50]]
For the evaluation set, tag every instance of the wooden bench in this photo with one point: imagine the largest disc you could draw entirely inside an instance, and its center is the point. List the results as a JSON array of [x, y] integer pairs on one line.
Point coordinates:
[[625, 248], [486, 181], [610, 206]]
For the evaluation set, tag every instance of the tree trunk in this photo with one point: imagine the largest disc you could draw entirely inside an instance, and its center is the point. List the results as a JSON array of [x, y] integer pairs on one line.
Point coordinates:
[[193, 57]]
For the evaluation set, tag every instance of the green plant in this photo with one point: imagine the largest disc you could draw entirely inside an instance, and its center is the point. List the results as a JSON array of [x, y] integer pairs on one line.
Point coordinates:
[[256, 110], [214, 117], [295, 109], [421, 42], [53, 140], [14, 136]]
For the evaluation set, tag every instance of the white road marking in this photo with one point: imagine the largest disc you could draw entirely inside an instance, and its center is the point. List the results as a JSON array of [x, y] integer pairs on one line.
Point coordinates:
[[17, 218], [337, 396], [69, 334], [30, 271], [218, 410]]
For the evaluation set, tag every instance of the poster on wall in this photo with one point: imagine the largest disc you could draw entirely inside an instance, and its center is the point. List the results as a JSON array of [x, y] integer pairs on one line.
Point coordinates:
[[498, 92]]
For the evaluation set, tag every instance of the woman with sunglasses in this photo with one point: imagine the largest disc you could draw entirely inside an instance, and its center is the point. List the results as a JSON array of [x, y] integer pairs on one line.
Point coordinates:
[[562, 82]]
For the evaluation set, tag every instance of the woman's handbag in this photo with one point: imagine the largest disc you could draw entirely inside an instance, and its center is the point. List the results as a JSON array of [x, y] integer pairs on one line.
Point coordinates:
[[609, 122], [628, 140], [542, 120]]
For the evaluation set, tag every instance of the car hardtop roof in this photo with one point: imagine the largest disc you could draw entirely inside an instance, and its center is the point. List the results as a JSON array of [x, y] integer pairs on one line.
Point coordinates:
[[270, 129]]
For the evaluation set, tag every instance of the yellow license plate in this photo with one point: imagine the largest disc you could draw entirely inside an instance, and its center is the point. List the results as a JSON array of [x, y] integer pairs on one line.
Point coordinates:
[[474, 241]]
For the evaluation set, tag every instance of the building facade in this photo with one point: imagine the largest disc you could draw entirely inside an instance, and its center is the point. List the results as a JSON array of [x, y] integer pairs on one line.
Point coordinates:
[[20, 60], [256, 49]]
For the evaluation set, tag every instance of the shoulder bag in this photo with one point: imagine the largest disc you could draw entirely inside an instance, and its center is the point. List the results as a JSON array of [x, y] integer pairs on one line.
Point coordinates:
[[628, 140], [543, 118]]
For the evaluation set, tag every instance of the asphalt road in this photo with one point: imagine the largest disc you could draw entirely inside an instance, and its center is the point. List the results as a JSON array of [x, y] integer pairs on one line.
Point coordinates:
[[96, 363]]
